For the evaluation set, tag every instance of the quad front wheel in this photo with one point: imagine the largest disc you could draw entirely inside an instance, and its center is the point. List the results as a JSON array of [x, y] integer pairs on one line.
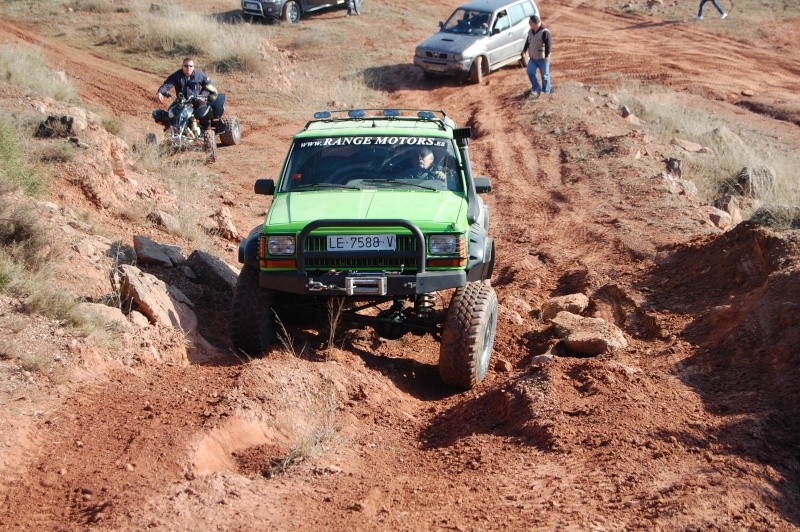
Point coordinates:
[[468, 335]]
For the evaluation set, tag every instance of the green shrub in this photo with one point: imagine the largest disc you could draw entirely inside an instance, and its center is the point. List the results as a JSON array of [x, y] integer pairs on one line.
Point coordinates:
[[14, 171]]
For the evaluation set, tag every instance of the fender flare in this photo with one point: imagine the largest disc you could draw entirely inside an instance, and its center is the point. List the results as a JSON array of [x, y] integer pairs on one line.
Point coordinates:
[[248, 248], [480, 263]]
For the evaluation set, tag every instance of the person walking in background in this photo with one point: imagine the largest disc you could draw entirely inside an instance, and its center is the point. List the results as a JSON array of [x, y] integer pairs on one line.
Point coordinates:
[[353, 5], [538, 46], [699, 16]]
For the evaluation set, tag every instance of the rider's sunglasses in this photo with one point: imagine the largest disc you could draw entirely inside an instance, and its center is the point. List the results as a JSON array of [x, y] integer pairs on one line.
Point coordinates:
[[188, 66]]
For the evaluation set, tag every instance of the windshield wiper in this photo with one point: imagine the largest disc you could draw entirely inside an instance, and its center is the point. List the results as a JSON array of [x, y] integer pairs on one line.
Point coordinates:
[[320, 185], [398, 182]]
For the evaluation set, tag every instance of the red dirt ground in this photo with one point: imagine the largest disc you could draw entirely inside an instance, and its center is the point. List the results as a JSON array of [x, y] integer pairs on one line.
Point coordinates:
[[693, 426]]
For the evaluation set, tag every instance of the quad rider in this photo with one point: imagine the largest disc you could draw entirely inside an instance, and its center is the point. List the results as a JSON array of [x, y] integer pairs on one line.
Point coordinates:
[[189, 81]]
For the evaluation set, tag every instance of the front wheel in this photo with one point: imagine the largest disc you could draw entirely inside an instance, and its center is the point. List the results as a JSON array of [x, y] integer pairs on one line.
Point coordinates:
[[468, 335], [252, 316], [210, 144], [291, 12], [476, 71]]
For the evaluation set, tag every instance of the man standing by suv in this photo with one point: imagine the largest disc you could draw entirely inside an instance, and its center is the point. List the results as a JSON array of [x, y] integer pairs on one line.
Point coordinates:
[[538, 46]]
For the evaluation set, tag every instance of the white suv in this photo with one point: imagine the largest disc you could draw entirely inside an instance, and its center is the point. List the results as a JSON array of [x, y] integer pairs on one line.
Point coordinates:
[[479, 37]]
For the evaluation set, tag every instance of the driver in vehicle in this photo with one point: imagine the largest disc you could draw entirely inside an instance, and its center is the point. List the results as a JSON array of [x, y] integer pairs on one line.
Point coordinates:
[[424, 167], [189, 81]]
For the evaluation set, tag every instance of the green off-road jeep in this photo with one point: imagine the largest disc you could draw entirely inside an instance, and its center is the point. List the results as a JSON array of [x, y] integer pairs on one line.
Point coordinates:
[[379, 209]]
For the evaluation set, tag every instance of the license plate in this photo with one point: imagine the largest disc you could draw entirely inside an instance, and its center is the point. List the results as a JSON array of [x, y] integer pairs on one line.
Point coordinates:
[[436, 67], [362, 242], [250, 5]]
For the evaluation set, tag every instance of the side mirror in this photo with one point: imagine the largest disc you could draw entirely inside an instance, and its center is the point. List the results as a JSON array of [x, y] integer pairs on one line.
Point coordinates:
[[482, 184], [441, 24], [264, 187], [495, 31]]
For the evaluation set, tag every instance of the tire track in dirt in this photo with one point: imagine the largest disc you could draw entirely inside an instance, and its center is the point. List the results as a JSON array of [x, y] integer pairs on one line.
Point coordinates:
[[684, 54]]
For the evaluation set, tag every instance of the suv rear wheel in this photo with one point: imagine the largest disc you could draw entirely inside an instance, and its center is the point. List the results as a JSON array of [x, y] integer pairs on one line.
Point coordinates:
[[468, 335]]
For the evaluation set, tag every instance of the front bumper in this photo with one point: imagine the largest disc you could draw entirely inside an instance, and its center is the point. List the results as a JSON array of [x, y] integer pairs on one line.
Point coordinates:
[[361, 284], [441, 66], [262, 9]]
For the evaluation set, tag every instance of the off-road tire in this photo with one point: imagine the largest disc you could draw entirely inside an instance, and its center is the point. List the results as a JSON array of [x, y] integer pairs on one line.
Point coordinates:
[[232, 134], [210, 144], [291, 12], [252, 317], [468, 335], [476, 71]]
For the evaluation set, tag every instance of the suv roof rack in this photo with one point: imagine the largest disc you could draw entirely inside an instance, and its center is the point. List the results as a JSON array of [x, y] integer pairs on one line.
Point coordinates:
[[382, 113]]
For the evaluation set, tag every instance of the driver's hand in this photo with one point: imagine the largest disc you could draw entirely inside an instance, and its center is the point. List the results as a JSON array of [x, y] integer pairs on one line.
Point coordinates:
[[440, 174], [159, 97]]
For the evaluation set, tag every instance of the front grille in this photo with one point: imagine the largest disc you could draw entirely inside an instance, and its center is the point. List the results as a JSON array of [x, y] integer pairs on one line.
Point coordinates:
[[436, 55], [319, 243]]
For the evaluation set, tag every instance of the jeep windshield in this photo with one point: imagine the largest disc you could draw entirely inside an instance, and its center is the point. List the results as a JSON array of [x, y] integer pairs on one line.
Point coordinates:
[[371, 162], [468, 22]]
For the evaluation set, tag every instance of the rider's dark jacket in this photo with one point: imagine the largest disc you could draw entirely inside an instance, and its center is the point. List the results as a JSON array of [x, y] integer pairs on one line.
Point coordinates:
[[194, 84]]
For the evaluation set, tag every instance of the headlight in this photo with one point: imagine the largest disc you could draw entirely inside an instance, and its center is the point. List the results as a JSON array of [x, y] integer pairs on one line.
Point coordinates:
[[443, 244], [458, 57], [280, 245]]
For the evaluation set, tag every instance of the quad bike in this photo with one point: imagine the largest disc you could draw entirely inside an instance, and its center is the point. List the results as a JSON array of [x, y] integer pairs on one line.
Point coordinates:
[[185, 132]]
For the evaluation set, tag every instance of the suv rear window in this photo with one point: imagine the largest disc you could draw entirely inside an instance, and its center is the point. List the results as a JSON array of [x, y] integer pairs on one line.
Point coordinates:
[[529, 9], [518, 13]]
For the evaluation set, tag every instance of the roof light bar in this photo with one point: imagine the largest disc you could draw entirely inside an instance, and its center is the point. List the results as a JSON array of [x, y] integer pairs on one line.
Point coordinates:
[[356, 113], [322, 115], [391, 112], [426, 115]]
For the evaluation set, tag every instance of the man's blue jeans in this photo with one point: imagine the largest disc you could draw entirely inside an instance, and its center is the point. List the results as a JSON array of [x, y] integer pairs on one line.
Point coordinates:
[[543, 65], [703, 2], [353, 5]]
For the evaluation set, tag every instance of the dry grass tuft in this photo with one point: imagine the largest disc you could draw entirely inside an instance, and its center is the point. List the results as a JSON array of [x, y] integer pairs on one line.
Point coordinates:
[[26, 68], [171, 29], [16, 172], [668, 115]]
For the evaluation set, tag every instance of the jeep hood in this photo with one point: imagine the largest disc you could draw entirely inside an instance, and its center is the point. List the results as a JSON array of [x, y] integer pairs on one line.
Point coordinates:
[[421, 207], [452, 43]]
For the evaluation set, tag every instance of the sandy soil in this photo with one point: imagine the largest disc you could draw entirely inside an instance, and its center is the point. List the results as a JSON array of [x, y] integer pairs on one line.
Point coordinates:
[[693, 426]]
